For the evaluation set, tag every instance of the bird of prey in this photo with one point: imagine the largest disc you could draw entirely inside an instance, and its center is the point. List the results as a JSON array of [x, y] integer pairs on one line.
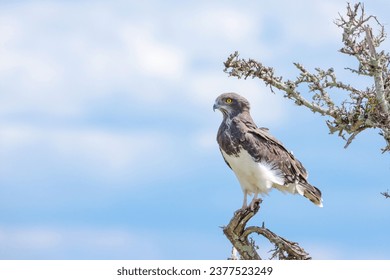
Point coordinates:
[[259, 161]]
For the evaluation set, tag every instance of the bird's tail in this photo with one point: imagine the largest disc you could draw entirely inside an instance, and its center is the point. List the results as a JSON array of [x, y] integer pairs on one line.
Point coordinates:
[[310, 192]]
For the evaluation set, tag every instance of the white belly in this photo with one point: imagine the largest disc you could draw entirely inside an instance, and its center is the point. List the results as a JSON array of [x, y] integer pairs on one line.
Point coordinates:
[[254, 177]]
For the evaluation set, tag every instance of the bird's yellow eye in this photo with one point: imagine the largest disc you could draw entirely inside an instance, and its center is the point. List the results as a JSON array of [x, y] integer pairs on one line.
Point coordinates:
[[229, 100]]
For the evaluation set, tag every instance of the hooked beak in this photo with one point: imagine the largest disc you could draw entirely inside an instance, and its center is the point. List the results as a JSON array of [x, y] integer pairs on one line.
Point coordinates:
[[216, 106]]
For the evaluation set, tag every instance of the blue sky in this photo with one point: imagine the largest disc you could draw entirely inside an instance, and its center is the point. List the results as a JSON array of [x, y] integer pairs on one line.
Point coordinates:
[[107, 133]]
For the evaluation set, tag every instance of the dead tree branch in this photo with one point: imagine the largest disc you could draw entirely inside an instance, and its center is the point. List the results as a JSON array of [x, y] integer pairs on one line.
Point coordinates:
[[362, 108], [238, 234], [386, 194]]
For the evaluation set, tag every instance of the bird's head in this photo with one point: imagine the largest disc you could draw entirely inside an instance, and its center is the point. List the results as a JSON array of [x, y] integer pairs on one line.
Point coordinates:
[[231, 104]]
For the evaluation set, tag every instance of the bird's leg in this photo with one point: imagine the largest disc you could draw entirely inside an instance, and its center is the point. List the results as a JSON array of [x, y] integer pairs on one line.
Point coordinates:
[[245, 204], [252, 205]]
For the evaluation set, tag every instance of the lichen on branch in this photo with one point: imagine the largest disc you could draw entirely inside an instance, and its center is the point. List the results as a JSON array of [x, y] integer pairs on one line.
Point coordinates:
[[238, 234], [362, 108]]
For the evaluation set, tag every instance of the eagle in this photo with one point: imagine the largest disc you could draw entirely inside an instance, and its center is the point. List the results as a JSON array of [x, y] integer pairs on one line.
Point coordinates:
[[260, 161]]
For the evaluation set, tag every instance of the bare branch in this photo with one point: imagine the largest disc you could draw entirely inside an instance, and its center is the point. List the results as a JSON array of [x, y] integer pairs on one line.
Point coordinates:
[[377, 71], [238, 234], [386, 194], [362, 108]]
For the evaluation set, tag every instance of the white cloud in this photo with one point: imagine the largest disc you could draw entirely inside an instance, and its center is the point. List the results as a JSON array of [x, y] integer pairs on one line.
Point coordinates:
[[152, 57], [101, 51], [224, 23], [59, 75], [304, 28], [206, 139], [94, 242], [105, 150], [12, 138], [64, 63], [105, 153], [31, 238], [320, 251], [9, 31], [37, 242]]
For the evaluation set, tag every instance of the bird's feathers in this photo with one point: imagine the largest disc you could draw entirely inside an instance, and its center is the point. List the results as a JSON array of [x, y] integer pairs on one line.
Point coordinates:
[[250, 172], [258, 159]]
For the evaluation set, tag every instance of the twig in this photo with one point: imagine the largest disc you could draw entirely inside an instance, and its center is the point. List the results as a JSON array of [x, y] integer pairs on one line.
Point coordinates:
[[238, 234], [362, 108], [234, 230], [386, 194], [377, 72]]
